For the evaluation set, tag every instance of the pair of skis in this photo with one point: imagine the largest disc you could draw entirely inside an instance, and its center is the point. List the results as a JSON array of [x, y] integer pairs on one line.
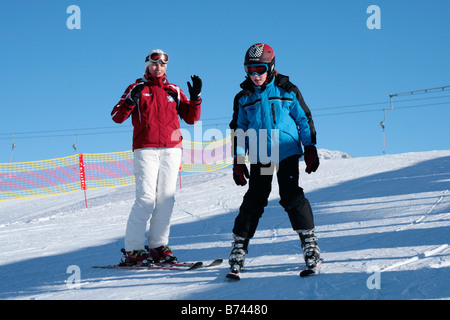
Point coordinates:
[[181, 266], [235, 272]]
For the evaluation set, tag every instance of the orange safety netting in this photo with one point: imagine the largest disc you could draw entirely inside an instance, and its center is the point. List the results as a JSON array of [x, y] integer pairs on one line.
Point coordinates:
[[98, 170]]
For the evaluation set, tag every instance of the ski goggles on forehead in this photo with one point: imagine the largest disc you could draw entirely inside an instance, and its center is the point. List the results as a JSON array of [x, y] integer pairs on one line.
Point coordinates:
[[258, 69], [158, 57]]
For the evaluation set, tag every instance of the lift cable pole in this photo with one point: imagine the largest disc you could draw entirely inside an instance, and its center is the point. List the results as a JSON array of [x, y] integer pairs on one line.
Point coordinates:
[[407, 93]]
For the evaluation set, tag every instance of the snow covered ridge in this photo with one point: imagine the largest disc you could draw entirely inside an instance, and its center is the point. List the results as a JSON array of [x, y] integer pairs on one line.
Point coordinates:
[[328, 154], [383, 225]]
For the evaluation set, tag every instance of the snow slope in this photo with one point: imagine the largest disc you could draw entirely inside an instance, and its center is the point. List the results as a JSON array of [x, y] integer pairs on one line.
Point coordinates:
[[382, 222]]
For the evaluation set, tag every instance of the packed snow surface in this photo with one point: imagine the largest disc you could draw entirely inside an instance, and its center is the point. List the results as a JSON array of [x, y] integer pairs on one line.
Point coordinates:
[[383, 225]]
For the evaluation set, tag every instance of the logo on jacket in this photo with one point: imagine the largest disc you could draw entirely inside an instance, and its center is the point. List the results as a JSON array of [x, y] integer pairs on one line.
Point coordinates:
[[170, 98]]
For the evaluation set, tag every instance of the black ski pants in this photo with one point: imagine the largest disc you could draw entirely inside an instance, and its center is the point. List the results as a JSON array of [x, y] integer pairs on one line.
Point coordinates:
[[292, 198]]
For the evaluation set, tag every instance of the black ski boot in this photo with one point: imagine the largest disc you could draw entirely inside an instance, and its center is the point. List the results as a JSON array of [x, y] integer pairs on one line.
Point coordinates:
[[311, 251], [237, 255]]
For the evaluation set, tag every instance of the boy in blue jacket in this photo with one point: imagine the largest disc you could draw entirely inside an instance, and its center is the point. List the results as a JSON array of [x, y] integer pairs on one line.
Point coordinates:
[[271, 122]]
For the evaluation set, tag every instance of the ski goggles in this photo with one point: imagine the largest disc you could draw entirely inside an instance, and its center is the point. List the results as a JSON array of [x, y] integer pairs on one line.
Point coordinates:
[[258, 69], [157, 57]]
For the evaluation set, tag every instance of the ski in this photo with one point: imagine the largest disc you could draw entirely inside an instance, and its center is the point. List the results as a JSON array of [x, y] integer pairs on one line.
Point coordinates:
[[191, 264], [311, 271], [234, 276], [181, 266], [215, 263], [157, 266], [235, 273]]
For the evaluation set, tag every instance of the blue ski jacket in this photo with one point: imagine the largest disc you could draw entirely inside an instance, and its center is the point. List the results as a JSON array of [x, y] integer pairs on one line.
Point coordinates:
[[274, 121]]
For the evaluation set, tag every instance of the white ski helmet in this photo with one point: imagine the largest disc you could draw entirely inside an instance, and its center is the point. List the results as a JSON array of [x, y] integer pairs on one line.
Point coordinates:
[[156, 55]]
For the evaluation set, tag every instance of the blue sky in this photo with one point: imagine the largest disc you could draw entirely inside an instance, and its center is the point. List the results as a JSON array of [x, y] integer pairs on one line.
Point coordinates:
[[56, 83]]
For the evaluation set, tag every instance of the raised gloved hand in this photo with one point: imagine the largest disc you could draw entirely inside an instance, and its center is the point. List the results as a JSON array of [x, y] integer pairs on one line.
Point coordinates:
[[311, 159], [240, 172], [196, 88], [135, 93]]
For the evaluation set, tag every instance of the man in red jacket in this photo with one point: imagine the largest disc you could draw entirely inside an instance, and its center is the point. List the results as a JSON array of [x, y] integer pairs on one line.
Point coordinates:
[[155, 106]]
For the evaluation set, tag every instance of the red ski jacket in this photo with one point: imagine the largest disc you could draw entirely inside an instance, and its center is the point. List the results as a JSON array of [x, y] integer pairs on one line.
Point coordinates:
[[155, 115]]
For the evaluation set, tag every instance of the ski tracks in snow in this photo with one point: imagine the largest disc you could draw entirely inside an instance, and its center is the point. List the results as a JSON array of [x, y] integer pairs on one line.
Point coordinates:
[[426, 254], [422, 218]]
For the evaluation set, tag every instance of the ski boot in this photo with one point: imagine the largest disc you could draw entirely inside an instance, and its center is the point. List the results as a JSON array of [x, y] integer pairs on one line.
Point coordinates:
[[311, 251], [162, 254], [135, 258], [237, 255]]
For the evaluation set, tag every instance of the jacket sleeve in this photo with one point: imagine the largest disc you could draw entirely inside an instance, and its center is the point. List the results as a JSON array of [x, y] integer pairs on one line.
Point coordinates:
[[301, 119], [122, 110], [307, 112], [189, 111], [239, 125], [283, 81], [233, 125]]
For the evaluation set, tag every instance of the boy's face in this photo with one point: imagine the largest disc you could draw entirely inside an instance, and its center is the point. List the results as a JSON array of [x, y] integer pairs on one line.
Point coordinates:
[[259, 79]]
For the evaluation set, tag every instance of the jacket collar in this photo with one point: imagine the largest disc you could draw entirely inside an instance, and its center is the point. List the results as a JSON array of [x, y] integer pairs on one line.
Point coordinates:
[[281, 80], [249, 87], [152, 80]]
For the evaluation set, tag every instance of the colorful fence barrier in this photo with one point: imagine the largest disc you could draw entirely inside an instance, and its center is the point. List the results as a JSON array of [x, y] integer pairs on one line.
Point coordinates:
[[89, 171]]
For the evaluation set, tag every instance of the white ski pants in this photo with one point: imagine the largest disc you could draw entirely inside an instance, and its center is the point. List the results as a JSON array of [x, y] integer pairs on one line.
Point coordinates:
[[155, 171]]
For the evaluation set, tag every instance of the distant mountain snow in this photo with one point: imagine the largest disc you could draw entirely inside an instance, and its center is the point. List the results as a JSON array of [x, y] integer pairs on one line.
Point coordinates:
[[330, 154]]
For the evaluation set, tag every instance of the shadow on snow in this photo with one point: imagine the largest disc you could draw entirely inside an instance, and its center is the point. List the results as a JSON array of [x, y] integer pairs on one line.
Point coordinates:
[[48, 273]]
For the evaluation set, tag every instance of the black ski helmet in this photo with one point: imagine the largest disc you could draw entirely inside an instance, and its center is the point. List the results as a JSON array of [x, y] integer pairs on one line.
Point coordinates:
[[261, 53]]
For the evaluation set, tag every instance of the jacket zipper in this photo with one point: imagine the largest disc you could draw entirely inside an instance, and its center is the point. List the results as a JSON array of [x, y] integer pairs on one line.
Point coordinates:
[[273, 114]]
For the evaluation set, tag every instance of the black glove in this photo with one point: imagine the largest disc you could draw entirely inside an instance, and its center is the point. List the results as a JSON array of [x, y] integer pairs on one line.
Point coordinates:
[[195, 89], [240, 173], [135, 93], [311, 159]]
